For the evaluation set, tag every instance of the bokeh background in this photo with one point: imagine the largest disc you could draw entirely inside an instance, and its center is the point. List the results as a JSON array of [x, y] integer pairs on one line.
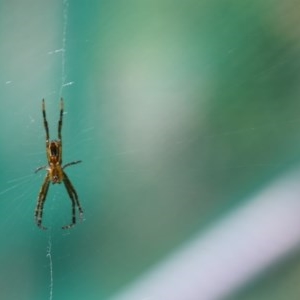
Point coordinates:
[[186, 115]]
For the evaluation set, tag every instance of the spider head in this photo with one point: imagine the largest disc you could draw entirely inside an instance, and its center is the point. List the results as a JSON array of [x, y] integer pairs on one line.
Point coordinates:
[[54, 149], [54, 152]]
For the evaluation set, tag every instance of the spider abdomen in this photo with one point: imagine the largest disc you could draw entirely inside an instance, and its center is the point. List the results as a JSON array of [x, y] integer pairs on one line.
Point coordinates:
[[56, 174]]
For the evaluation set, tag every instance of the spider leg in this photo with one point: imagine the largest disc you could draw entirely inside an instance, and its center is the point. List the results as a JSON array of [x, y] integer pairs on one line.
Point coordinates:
[[74, 198], [45, 122], [72, 163], [60, 118], [40, 168], [40, 204]]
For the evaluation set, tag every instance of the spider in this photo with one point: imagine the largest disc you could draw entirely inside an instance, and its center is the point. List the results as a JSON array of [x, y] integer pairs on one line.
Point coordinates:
[[55, 172]]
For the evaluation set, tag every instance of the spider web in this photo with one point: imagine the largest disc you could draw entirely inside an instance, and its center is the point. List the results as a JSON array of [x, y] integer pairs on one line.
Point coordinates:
[[189, 140], [63, 79], [21, 184]]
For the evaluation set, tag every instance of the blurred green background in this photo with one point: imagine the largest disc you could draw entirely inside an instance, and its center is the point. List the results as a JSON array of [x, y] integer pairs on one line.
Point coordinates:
[[179, 110]]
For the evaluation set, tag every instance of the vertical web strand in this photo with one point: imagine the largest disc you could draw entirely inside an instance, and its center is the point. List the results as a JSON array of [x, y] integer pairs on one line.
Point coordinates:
[[63, 80], [63, 50], [49, 255]]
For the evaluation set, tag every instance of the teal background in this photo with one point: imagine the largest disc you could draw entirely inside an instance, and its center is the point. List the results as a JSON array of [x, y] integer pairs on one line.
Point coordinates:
[[179, 110]]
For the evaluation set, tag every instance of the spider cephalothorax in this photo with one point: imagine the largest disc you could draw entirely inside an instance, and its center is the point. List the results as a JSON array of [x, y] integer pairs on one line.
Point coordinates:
[[55, 172]]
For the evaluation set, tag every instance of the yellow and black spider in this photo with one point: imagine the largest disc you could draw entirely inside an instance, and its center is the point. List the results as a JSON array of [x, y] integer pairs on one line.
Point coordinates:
[[55, 172]]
